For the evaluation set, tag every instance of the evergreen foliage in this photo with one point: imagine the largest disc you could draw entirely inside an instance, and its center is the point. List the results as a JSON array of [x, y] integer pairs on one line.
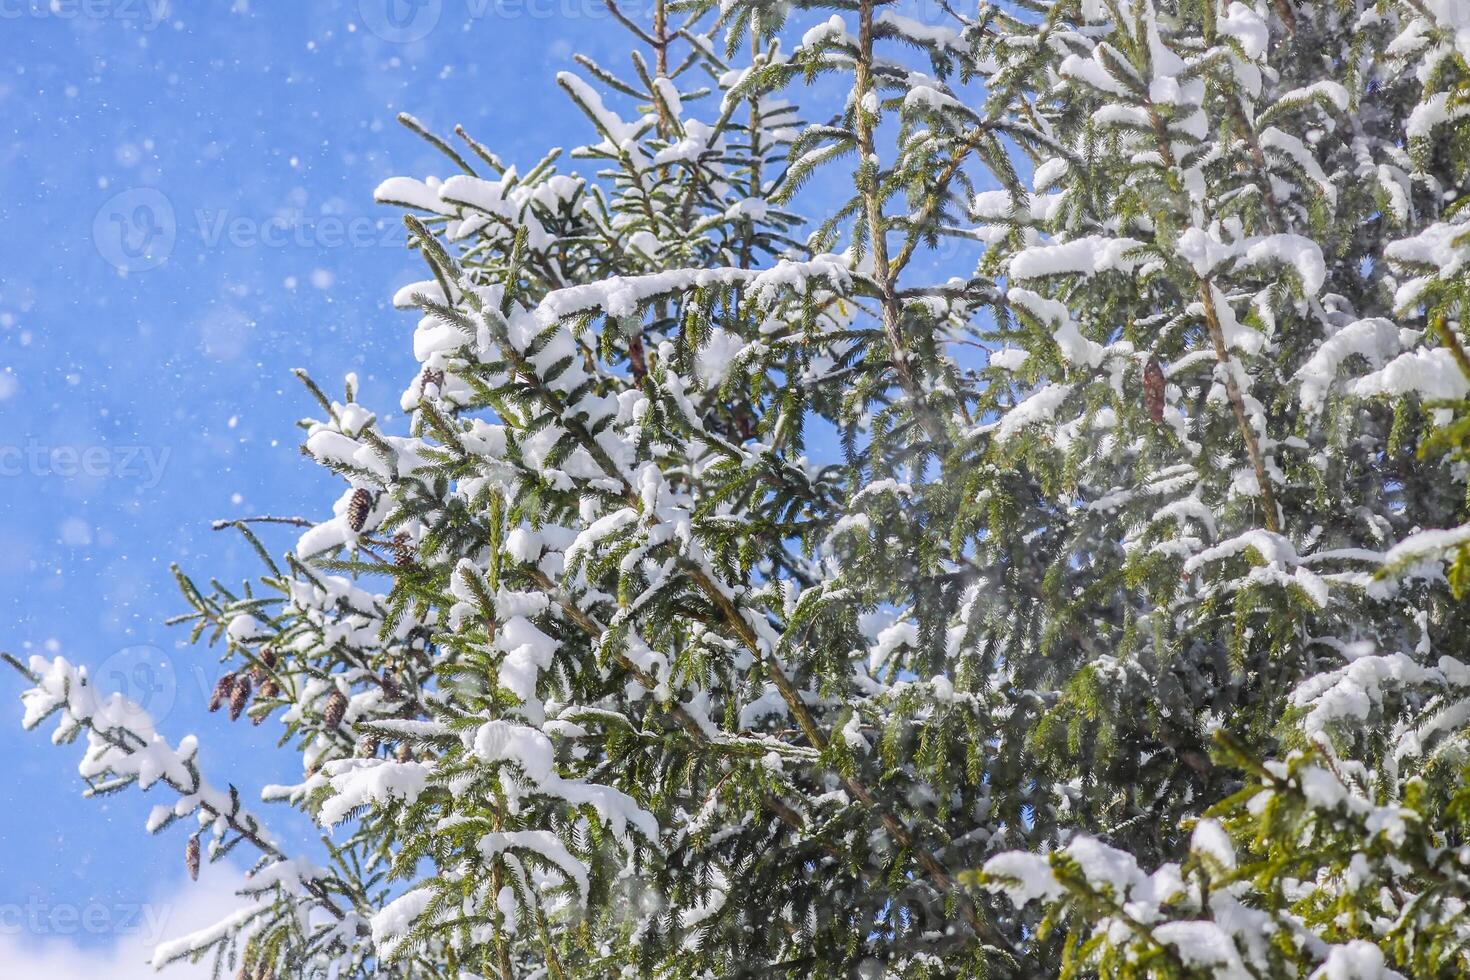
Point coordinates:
[[1048, 558]]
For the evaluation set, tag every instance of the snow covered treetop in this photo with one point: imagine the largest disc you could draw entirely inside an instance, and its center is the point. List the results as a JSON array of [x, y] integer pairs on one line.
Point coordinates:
[[920, 492]]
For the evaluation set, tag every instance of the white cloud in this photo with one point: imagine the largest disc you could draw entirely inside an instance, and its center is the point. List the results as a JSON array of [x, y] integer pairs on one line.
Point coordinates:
[[41, 942]]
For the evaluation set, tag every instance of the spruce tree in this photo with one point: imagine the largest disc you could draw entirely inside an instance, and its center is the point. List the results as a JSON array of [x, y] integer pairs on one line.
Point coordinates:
[[1045, 558]]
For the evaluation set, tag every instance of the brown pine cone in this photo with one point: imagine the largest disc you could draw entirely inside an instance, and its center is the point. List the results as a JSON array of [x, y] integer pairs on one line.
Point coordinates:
[[1153, 390], [191, 857], [358, 509], [223, 688], [391, 690], [240, 696], [402, 550], [336, 709]]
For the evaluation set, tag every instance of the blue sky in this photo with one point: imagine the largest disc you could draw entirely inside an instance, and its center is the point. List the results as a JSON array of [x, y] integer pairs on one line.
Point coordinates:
[[237, 145]]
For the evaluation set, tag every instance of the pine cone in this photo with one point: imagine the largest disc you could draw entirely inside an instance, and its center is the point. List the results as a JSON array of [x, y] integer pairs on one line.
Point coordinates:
[[240, 696], [402, 550], [391, 690], [433, 377], [336, 709], [1153, 390], [367, 747], [404, 753], [191, 858], [744, 425], [222, 691], [359, 508], [268, 657], [269, 689]]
